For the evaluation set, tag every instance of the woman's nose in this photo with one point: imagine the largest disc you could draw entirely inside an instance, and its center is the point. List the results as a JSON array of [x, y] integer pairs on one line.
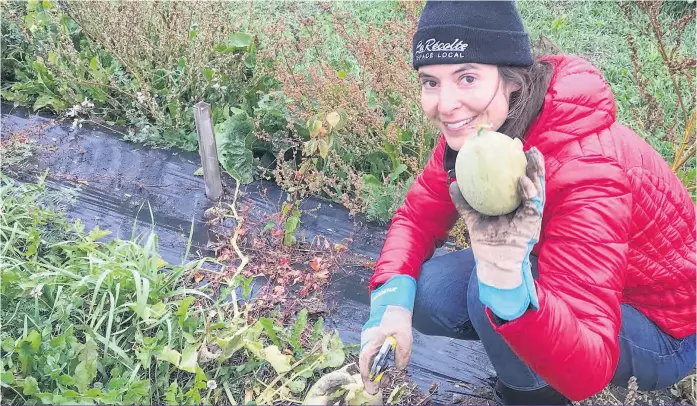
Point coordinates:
[[449, 101]]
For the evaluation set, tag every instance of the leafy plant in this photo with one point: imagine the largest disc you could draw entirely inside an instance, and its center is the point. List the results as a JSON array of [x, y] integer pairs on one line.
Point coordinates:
[[379, 133], [86, 320], [131, 60], [673, 128]]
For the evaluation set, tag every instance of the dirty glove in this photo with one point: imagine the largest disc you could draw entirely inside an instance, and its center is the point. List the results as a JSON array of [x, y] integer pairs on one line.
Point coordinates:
[[501, 244], [391, 307]]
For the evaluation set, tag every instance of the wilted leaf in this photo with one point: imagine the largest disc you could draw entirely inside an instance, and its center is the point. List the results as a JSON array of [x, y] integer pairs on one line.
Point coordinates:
[[188, 360], [255, 348], [396, 394], [333, 119], [297, 386], [170, 355], [314, 126], [323, 146], [86, 370], [231, 143], [333, 348], [240, 40], [315, 264], [230, 345], [280, 362]]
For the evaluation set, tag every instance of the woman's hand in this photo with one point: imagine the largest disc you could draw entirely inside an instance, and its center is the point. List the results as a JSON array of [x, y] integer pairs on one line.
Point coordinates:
[[391, 307], [501, 244]]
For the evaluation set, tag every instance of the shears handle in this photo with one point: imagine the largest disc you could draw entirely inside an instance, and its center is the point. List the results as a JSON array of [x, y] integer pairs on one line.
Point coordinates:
[[380, 361]]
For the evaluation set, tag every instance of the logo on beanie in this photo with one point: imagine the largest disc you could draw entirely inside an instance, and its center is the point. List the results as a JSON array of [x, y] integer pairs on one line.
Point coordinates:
[[433, 48]]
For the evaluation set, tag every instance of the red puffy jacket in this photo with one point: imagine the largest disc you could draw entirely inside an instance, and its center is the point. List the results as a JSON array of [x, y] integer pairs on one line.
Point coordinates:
[[618, 227]]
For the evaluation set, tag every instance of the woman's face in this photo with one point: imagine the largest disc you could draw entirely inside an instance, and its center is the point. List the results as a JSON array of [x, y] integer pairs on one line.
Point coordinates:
[[458, 98]]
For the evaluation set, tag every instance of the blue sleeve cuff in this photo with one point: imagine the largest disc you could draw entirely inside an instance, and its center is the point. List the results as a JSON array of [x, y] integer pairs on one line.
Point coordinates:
[[509, 304], [399, 290]]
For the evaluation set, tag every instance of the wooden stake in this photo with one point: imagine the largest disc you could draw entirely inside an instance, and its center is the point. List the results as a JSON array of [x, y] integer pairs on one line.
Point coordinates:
[[208, 150]]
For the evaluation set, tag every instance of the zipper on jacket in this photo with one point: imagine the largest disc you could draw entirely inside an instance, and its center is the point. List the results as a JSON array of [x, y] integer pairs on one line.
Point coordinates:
[[449, 157]]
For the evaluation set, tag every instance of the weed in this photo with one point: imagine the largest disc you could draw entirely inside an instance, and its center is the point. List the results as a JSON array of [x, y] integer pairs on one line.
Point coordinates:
[[678, 129], [86, 320], [383, 138]]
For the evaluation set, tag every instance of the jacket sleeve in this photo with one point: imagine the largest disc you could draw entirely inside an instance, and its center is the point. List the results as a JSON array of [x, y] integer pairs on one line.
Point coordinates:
[[572, 340], [420, 224]]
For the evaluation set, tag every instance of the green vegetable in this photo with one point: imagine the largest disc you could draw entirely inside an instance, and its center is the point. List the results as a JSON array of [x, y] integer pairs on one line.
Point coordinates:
[[487, 168]]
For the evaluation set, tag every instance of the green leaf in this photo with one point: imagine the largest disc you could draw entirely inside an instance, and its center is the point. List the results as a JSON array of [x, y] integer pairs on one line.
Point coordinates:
[[279, 362], [310, 147], [170, 355], [267, 323], [188, 360], [199, 172], [255, 347], [292, 223], [30, 386], [66, 380], [333, 349], [231, 142], [298, 328], [222, 49], [401, 168], [559, 23], [45, 100], [172, 394], [86, 370], [341, 74], [208, 73], [8, 344], [94, 392], [27, 347], [240, 40], [183, 308], [94, 63], [96, 233]]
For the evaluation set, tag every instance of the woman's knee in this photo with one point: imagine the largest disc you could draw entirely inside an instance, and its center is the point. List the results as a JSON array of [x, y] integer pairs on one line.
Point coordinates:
[[653, 357], [440, 306]]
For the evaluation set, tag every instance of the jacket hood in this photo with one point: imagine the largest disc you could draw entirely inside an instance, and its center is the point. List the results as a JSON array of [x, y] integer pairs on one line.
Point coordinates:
[[579, 102]]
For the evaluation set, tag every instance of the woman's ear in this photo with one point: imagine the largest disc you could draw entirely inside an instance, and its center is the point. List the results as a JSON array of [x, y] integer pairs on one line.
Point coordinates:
[[513, 87]]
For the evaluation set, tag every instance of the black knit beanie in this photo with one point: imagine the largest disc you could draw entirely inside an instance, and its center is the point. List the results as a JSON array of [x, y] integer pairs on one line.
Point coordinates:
[[489, 32]]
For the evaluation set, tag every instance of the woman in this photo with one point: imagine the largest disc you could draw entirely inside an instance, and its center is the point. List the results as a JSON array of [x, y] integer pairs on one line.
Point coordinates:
[[593, 281]]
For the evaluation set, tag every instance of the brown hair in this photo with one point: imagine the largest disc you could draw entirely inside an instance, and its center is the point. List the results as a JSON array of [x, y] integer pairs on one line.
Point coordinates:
[[525, 103]]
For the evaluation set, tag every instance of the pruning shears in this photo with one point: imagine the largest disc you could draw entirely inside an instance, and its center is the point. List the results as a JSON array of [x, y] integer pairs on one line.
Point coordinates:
[[380, 360]]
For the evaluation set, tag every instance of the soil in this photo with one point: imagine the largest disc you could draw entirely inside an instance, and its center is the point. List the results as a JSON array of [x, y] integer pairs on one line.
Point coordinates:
[[119, 185]]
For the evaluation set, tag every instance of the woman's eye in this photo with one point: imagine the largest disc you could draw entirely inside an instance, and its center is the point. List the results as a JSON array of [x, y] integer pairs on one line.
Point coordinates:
[[468, 79], [428, 83]]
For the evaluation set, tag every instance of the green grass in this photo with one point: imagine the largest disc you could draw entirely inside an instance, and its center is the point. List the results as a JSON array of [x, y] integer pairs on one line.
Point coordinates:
[[91, 321], [594, 30]]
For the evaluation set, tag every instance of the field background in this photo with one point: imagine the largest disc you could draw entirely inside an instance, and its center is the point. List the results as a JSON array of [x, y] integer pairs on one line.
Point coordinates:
[[318, 97]]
